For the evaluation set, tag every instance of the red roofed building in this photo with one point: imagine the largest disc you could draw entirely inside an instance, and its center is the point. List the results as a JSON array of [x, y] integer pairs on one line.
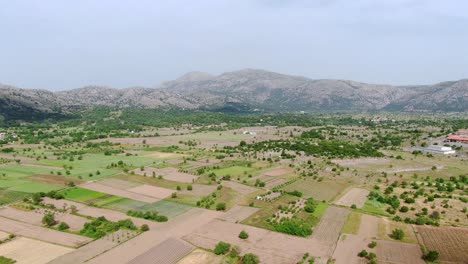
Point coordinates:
[[457, 138]]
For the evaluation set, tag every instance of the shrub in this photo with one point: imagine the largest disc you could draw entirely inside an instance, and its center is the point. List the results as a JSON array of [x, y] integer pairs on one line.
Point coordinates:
[[220, 207], [243, 235], [372, 244], [48, 219], [144, 227], [431, 256], [363, 253], [397, 234], [250, 259], [189, 187], [63, 226], [222, 248]]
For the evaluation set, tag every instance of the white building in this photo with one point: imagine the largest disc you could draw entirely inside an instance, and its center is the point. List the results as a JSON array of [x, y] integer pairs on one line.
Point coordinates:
[[436, 149]]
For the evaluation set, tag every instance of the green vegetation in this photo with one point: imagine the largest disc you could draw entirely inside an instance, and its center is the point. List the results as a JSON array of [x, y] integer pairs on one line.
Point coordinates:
[[243, 235], [148, 215], [82, 195], [397, 234], [352, 223], [222, 248], [100, 227], [5, 260]]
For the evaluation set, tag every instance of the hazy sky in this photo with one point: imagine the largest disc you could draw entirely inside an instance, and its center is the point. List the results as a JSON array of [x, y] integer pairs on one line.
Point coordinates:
[[57, 44]]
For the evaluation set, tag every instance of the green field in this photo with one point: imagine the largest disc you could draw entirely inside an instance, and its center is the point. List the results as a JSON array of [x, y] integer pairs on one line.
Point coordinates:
[[352, 223], [324, 190], [82, 195], [8, 196], [14, 178], [374, 207]]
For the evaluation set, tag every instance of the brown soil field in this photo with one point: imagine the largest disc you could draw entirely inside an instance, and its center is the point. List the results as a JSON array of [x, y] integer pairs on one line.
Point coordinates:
[[361, 161], [54, 179], [200, 190], [41, 233], [170, 174], [386, 226], [94, 186], [35, 217], [328, 229], [369, 227], [169, 251], [354, 196], [450, 242], [163, 155], [238, 213], [179, 226], [31, 251], [239, 187], [85, 252], [398, 252], [119, 184], [152, 191], [199, 256], [271, 247], [347, 248], [278, 172], [270, 184], [3, 235]]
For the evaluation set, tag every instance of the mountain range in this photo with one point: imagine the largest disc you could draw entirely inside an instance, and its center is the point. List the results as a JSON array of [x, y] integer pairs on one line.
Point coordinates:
[[244, 90]]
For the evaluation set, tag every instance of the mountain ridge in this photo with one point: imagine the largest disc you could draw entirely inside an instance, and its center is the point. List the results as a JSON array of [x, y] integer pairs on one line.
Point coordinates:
[[246, 89]]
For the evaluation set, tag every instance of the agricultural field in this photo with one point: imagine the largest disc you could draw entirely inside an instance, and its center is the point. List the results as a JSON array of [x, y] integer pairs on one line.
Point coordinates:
[[323, 190]]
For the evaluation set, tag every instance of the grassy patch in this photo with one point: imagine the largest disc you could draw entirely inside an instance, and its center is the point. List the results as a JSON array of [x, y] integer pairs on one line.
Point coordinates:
[[374, 207], [152, 181], [352, 223], [8, 196], [325, 190], [82, 195], [169, 209]]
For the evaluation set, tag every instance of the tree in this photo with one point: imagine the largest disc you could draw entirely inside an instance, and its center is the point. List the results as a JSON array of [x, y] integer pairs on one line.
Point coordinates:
[[63, 226], [48, 219], [222, 248], [431, 256], [243, 235], [189, 187], [250, 259], [144, 227], [398, 234], [372, 244], [220, 206]]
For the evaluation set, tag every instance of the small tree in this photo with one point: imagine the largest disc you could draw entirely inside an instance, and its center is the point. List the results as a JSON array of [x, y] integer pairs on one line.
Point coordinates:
[[63, 226], [174, 195], [431, 256], [363, 253], [220, 207], [243, 235], [189, 187], [398, 234], [250, 259], [48, 219], [372, 244], [222, 248], [144, 227]]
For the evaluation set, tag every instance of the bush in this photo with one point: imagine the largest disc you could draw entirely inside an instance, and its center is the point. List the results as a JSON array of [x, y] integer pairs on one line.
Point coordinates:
[[243, 235], [250, 259], [48, 219], [220, 207], [363, 253], [397, 234], [222, 248], [431, 256], [372, 244], [189, 187], [63, 226], [148, 215], [144, 227]]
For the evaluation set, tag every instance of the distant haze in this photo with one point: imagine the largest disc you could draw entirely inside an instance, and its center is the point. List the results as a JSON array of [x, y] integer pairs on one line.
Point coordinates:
[[59, 45]]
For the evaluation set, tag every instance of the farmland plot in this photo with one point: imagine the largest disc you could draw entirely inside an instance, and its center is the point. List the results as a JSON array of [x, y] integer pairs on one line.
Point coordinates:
[[94, 186], [30, 251], [239, 187], [354, 196], [169, 251], [151, 191], [239, 213], [450, 242], [41, 233], [171, 174], [328, 230]]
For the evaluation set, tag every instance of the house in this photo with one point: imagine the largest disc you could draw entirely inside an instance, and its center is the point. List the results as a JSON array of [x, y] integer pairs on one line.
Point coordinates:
[[436, 149], [457, 139], [2, 136]]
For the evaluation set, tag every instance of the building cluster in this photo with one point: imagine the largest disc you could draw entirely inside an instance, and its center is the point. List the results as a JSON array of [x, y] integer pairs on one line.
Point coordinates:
[[461, 136]]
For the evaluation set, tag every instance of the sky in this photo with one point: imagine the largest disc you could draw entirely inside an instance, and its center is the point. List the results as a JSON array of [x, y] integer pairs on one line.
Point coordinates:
[[60, 45]]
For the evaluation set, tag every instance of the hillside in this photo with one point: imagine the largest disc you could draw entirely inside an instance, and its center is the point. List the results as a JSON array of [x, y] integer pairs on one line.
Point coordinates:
[[243, 90]]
